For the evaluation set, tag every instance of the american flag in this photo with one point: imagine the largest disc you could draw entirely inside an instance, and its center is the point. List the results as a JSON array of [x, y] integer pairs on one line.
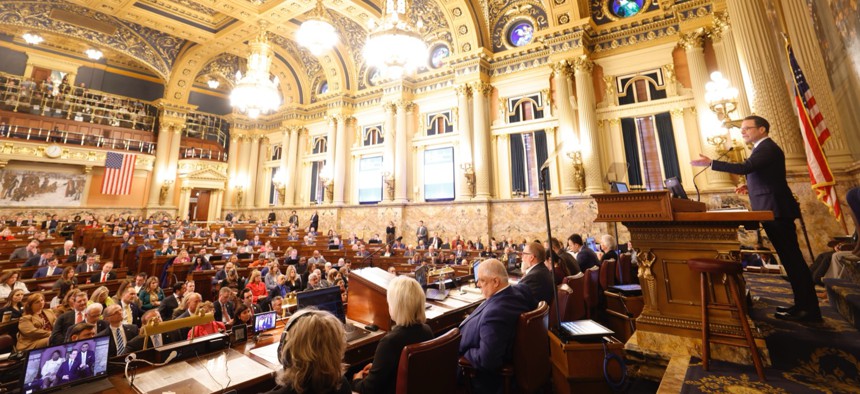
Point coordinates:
[[815, 133], [119, 170]]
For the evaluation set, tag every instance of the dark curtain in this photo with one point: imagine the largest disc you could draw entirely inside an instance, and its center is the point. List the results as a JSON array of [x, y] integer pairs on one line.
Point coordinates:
[[518, 163], [666, 136], [631, 151], [540, 145]]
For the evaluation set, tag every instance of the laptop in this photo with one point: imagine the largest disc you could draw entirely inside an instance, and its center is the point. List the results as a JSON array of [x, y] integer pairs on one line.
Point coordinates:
[[618, 187], [328, 299], [584, 330], [436, 294]]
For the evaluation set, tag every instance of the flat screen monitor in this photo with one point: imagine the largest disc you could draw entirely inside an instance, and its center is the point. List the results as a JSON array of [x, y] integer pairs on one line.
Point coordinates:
[[675, 187], [265, 321], [55, 367], [326, 299], [618, 187]]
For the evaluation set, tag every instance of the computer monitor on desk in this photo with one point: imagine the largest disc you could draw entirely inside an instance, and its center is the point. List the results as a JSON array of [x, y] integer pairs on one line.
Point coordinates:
[[327, 299], [89, 359], [265, 321]]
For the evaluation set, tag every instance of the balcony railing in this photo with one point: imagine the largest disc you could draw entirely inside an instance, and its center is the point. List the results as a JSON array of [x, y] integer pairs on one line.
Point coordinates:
[[200, 153], [71, 138]]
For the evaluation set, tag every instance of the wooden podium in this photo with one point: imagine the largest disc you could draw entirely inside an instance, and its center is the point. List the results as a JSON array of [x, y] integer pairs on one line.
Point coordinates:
[[667, 232]]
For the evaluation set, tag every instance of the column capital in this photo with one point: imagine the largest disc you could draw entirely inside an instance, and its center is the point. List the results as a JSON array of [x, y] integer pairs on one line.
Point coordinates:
[[463, 90], [677, 112], [721, 26], [405, 105], [390, 107], [692, 40], [614, 121], [482, 88], [583, 64], [561, 68]]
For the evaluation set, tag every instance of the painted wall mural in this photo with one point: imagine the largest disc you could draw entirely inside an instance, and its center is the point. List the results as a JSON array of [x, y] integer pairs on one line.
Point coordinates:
[[39, 188]]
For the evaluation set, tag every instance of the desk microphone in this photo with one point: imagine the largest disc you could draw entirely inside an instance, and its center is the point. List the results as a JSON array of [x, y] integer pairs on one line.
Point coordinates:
[[698, 195], [132, 357]]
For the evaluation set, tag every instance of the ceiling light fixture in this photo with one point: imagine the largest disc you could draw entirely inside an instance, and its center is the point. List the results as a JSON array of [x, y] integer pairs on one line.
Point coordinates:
[[213, 83], [94, 54], [317, 34], [255, 93], [33, 39], [395, 46]]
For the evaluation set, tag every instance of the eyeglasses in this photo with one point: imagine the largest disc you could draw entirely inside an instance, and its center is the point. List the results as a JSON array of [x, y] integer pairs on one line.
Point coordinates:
[[748, 128]]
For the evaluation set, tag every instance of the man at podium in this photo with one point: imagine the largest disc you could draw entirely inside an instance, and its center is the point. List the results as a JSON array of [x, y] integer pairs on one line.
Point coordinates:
[[768, 191]]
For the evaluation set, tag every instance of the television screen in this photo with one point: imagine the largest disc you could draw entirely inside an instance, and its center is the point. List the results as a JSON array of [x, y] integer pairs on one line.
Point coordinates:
[[69, 364], [265, 321]]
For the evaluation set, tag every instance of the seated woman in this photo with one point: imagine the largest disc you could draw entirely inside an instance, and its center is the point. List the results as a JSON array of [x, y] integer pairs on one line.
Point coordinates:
[[293, 281], [608, 245], [182, 257], [280, 289], [212, 327], [101, 295], [313, 352], [243, 315], [201, 264], [150, 295], [9, 281], [258, 288], [14, 306], [233, 281], [406, 307], [35, 326]]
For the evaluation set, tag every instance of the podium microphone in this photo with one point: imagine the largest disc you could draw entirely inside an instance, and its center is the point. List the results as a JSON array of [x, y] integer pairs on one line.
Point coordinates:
[[131, 358], [698, 195]]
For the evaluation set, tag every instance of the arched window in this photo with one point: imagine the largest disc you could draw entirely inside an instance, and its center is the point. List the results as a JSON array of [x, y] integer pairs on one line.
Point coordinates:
[[525, 108], [641, 87], [439, 123], [320, 145], [372, 135]]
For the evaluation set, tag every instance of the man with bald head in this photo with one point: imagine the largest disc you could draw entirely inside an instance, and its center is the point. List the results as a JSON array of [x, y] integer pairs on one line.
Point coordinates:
[[488, 333]]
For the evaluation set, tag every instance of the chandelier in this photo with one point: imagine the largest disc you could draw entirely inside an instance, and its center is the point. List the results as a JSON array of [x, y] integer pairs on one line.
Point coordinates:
[[33, 39], [317, 33], [255, 93], [394, 46]]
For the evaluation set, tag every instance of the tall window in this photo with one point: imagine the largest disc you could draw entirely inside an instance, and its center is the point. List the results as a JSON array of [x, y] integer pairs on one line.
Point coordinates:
[[439, 123], [372, 135], [439, 174], [370, 180], [649, 147], [641, 87], [317, 191], [528, 153], [277, 151], [273, 192]]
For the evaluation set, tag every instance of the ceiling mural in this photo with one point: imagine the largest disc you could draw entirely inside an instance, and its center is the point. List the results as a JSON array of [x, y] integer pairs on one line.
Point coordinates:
[[154, 48]]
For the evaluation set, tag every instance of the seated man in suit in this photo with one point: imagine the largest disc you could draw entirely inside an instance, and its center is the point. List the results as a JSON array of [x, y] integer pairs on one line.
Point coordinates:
[[120, 334], [130, 311], [536, 276], [49, 270], [488, 333], [40, 260], [172, 302], [68, 319], [104, 275], [223, 306], [155, 340], [92, 316], [585, 257], [25, 252], [78, 256], [67, 372], [85, 361], [88, 265]]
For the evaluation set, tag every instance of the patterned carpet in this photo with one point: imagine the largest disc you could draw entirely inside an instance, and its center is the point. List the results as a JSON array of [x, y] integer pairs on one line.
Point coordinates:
[[807, 358]]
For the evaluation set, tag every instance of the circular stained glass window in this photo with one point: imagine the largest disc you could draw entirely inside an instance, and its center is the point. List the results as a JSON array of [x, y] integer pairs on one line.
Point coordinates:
[[439, 53], [625, 8], [521, 33], [373, 76], [323, 87]]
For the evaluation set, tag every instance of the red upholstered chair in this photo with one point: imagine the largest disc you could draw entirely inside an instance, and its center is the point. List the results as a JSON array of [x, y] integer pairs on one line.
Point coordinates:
[[608, 270], [591, 290], [531, 364], [576, 308], [7, 345], [625, 274], [430, 366], [564, 293]]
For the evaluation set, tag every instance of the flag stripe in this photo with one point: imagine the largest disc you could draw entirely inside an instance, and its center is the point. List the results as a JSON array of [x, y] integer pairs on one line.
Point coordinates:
[[119, 172], [815, 132]]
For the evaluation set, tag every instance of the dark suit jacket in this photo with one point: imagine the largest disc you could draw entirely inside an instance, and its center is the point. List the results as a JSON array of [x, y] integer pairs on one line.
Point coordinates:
[[586, 258], [219, 315], [84, 367], [136, 344], [168, 304], [100, 325], [488, 335], [22, 253], [383, 373], [765, 171], [63, 323], [67, 373], [33, 261], [315, 221], [131, 331], [97, 277], [539, 282], [82, 267], [609, 255], [136, 313], [42, 272]]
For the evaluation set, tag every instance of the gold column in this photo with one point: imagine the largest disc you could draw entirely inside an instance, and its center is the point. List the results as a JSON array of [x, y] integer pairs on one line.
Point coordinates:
[[761, 60], [683, 147], [401, 150], [216, 205], [160, 168], [243, 180], [340, 159], [588, 125], [292, 157], [481, 161], [390, 147], [262, 174], [330, 154], [708, 124], [723, 39], [173, 167], [232, 164], [464, 150], [184, 202], [566, 125], [806, 50]]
